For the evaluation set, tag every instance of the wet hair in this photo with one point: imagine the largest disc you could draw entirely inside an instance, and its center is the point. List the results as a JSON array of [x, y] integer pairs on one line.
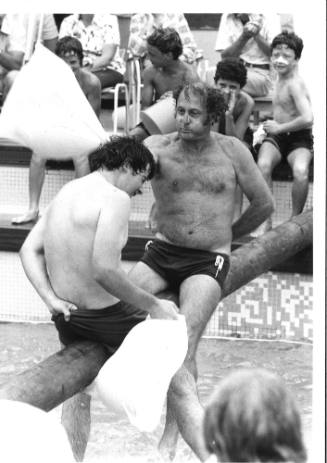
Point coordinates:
[[122, 152], [166, 40], [69, 44], [231, 69], [293, 41], [212, 99], [253, 417]]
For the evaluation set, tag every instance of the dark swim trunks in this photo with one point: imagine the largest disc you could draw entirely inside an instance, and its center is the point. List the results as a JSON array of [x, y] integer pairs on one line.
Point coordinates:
[[108, 326], [176, 263], [290, 141]]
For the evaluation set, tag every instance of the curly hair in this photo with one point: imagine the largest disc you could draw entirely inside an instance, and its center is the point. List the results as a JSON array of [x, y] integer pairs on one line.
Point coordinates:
[[122, 152], [166, 40], [293, 41], [231, 69], [212, 99], [252, 417], [69, 44]]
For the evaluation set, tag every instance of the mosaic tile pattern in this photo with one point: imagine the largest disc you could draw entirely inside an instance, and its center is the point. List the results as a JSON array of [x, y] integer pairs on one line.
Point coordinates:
[[273, 306]]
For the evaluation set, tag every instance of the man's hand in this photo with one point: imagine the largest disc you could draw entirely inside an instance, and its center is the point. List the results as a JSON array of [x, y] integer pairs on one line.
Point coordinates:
[[165, 309], [250, 30], [272, 127], [60, 306]]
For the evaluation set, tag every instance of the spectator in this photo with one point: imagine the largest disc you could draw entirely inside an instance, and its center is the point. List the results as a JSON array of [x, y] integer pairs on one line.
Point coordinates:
[[289, 134], [230, 78], [100, 39], [18, 35], [248, 36], [143, 25], [252, 417], [166, 73], [71, 51]]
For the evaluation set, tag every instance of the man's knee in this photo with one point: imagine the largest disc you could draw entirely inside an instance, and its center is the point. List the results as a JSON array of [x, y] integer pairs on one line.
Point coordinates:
[[265, 162], [301, 172]]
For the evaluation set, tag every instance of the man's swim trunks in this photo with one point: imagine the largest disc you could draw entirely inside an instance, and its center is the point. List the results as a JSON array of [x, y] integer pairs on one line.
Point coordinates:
[[108, 326], [176, 263], [290, 141]]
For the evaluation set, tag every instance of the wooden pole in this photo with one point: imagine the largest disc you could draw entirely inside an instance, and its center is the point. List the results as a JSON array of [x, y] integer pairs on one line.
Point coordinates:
[[70, 370]]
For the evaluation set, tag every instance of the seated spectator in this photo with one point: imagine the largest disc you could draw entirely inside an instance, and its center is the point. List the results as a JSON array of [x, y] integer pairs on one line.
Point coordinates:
[[252, 417], [144, 24], [289, 134], [248, 36], [230, 78], [100, 39], [166, 72], [71, 51], [18, 37]]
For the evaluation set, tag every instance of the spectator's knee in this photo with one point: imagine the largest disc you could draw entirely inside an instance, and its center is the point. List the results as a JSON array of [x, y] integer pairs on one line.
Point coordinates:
[[264, 166], [301, 173]]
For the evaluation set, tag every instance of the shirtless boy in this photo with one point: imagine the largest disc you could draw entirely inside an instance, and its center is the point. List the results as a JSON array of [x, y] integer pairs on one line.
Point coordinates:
[[289, 134], [166, 73], [71, 51], [72, 257], [194, 188]]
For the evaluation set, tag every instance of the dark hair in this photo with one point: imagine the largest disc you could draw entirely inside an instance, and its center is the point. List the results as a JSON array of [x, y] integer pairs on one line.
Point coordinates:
[[122, 152], [290, 39], [212, 99], [253, 417], [69, 44], [166, 40], [231, 69]]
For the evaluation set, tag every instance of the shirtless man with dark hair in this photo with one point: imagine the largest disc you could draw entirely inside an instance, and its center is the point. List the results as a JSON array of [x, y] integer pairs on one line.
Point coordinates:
[[194, 186]]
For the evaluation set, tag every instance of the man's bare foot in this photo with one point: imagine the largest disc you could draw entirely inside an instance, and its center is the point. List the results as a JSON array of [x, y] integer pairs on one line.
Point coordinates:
[[30, 216]]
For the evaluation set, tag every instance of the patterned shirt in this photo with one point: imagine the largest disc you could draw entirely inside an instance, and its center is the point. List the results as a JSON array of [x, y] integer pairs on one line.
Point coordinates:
[[142, 25], [102, 30], [231, 28]]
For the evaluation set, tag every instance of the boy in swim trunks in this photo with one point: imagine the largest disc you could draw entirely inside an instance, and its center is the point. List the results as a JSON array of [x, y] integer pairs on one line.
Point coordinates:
[[194, 187], [289, 134], [72, 257]]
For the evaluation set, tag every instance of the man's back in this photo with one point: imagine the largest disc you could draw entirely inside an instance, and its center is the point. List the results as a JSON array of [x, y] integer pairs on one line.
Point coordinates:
[[70, 229]]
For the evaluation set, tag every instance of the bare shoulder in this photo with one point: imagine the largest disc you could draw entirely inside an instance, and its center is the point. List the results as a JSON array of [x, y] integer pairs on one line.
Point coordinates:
[[157, 142], [149, 72], [246, 100], [233, 148]]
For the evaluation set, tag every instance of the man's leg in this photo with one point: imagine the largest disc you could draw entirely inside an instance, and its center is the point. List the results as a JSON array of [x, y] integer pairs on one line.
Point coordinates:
[[258, 83], [76, 419], [36, 179], [268, 158], [199, 296], [299, 160]]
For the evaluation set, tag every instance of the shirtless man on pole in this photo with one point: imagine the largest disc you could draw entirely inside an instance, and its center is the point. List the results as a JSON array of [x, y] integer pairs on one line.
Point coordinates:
[[72, 257], [194, 188]]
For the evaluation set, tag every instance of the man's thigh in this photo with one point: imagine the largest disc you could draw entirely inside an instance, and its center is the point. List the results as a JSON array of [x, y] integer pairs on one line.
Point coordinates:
[[199, 296], [299, 159], [146, 278]]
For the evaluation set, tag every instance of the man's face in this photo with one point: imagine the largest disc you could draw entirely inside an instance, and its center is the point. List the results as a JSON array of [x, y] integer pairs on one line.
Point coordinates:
[[191, 117], [72, 60], [228, 87], [283, 59], [157, 58], [133, 182]]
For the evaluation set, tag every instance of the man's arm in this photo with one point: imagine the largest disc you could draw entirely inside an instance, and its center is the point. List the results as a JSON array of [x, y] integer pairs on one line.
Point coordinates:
[[263, 44], [236, 48], [148, 88], [255, 189], [109, 240], [34, 264], [108, 52], [305, 118]]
